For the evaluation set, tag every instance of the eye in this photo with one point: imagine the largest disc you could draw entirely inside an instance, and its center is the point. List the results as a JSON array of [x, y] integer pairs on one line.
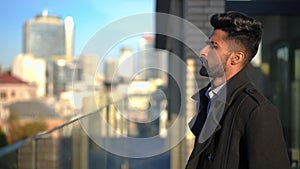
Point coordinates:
[[211, 44]]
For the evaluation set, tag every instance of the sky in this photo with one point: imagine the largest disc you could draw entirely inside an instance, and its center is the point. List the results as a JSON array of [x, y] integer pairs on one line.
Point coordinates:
[[89, 16]]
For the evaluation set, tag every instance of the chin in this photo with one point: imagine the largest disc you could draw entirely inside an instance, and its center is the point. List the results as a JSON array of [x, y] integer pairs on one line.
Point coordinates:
[[203, 72]]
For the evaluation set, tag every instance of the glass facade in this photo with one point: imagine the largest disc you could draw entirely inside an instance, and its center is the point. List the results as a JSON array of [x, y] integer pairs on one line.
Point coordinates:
[[280, 67], [45, 39]]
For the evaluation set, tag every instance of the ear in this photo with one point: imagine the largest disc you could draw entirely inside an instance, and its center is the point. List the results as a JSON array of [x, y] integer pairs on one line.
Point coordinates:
[[237, 58]]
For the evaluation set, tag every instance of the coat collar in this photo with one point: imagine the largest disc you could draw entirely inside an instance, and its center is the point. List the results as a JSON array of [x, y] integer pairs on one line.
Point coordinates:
[[231, 88], [235, 84]]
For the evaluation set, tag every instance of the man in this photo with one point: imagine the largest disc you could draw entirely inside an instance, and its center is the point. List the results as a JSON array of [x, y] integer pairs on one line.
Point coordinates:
[[236, 127]]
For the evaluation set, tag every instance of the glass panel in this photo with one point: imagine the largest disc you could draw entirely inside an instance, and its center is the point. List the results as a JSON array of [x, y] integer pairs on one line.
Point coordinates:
[[282, 86], [295, 109], [81, 143]]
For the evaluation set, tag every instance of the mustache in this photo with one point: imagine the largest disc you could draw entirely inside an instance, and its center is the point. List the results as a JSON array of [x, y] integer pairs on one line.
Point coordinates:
[[204, 61]]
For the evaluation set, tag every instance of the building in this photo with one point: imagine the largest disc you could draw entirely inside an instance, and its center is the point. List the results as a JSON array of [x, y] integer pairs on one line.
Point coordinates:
[[14, 89], [69, 32], [89, 65], [276, 73], [63, 74], [44, 36], [48, 37], [111, 76], [32, 70], [146, 61], [280, 63], [126, 63]]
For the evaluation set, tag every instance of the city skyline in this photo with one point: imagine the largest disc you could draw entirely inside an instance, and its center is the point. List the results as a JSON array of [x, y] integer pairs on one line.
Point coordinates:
[[89, 17]]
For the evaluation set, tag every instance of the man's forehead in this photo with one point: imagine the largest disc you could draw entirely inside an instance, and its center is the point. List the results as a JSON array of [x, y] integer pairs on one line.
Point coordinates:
[[218, 36]]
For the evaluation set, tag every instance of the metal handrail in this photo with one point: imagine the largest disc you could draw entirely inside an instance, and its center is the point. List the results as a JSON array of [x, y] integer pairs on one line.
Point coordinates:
[[12, 147]]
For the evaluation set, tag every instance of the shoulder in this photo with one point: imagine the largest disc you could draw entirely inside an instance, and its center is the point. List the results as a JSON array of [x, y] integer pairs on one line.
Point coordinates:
[[255, 100], [258, 101], [258, 110], [255, 95]]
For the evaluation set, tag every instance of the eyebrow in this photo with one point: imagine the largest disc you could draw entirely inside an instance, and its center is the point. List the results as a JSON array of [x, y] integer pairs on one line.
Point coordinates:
[[212, 42]]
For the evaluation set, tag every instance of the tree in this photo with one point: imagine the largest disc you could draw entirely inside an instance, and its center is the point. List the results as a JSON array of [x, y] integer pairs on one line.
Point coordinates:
[[3, 139], [19, 132]]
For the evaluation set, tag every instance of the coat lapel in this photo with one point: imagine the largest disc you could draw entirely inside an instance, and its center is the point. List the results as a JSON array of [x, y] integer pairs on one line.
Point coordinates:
[[199, 148], [204, 130]]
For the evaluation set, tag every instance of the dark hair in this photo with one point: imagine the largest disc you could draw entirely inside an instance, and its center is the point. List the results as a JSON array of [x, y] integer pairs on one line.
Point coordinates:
[[241, 28]]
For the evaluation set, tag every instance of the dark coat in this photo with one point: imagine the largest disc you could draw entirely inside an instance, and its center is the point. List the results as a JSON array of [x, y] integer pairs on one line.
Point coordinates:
[[249, 135]]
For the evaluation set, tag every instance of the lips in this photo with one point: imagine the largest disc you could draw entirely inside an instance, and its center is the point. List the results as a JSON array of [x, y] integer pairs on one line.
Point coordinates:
[[203, 61]]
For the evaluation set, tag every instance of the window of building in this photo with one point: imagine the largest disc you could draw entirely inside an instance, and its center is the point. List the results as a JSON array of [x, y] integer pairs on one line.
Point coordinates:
[[13, 93], [3, 95]]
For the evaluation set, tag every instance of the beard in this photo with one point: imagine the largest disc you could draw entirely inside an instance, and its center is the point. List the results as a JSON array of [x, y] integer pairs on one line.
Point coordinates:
[[212, 72], [203, 71]]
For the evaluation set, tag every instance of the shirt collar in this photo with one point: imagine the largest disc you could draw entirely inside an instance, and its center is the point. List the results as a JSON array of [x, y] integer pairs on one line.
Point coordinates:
[[212, 92]]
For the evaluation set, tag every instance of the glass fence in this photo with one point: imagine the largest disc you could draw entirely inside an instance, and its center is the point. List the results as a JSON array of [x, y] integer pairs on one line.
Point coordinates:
[[98, 139]]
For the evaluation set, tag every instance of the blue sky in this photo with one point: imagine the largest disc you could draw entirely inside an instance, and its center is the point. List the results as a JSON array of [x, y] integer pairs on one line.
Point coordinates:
[[89, 17]]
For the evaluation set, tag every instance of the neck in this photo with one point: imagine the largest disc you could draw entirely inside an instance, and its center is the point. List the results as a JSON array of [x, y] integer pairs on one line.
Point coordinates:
[[218, 81]]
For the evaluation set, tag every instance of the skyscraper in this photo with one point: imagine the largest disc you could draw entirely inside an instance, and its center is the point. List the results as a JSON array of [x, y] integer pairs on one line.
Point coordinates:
[[150, 61], [44, 36], [69, 31], [63, 75], [126, 63]]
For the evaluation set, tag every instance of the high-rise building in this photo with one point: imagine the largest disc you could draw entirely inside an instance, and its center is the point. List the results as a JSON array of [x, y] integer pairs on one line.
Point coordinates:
[[63, 75], [126, 63], [146, 60], [44, 36], [89, 65], [69, 31], [111, 76]]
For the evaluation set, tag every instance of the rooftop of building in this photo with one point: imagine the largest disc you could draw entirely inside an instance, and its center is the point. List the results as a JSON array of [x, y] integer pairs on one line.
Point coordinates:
[[8, 78], [33, 109]]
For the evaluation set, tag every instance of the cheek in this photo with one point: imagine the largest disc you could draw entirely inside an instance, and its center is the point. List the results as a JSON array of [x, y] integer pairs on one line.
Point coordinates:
[[214, 58]]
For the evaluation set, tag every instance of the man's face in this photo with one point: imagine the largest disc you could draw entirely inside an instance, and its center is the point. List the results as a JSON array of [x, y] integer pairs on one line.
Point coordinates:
[[214, 55]]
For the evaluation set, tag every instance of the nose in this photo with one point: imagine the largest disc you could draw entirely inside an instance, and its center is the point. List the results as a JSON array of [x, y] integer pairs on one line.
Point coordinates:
[[204, 51]]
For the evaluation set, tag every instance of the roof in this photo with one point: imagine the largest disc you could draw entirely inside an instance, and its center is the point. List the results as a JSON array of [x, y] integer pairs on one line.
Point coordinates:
[[33, 109], [8, 78]]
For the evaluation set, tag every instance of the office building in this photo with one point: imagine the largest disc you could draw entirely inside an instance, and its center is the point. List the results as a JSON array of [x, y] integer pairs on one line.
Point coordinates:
[[276, 73], [62, 75], [44, 36], [32, 70], [89, 64], [126, 63], [111, 76], [147, 61]]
